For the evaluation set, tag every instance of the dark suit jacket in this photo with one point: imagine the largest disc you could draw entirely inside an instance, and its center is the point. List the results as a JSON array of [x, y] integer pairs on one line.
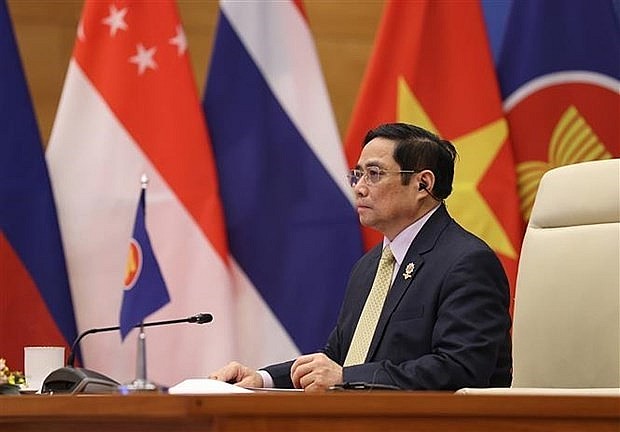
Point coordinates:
[[445, 327]]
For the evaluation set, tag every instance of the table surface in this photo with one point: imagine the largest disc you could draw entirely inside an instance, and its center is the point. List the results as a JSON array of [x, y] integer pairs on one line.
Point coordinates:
[[346, 411]]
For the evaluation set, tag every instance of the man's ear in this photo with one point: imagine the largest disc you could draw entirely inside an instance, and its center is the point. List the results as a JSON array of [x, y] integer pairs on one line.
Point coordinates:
[[426, 180]]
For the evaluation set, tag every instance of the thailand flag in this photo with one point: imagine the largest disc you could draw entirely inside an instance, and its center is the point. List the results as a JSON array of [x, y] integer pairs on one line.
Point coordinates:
[[291, 226], [130, 106], [35, 301], [145, 289]]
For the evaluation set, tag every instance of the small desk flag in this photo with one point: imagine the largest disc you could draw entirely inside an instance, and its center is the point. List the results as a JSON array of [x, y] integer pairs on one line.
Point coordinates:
[[145, 289]]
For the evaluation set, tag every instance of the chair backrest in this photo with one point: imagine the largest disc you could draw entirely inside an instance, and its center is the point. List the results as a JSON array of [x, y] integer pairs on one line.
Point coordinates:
[[566, 331]]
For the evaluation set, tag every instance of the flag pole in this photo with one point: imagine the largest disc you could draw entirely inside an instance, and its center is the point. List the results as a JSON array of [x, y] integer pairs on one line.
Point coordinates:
[[141, 355], [141, 383]]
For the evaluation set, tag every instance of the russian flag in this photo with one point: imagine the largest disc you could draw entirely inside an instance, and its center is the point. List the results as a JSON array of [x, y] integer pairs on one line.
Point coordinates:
[[130, 106], [35, 300], [291, 225]]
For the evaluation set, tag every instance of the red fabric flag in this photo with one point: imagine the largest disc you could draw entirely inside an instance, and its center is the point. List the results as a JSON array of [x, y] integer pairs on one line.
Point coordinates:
[[432, 67], [130, 106]]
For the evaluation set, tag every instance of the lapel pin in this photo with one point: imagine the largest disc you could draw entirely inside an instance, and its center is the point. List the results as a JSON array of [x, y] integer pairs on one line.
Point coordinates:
[[408, 271]]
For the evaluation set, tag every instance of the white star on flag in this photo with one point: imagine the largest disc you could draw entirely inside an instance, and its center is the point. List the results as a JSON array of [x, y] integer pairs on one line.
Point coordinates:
[[144, 58], [80, 31], [179, 40], [116, 20]]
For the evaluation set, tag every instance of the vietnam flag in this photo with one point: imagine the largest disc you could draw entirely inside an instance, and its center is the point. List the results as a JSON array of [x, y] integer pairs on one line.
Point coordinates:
[[130, 106], [432, 67], [35, 301]]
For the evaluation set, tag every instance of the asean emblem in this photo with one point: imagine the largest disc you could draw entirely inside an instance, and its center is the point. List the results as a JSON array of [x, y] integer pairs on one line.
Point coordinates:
[[561, 119], [133, 267]]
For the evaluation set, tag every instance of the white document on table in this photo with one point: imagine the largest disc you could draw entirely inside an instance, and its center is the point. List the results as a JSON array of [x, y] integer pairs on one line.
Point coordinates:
[[205, 386]]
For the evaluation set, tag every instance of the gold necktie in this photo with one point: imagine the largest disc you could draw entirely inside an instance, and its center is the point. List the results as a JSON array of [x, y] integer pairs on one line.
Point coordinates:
[[367, 323]]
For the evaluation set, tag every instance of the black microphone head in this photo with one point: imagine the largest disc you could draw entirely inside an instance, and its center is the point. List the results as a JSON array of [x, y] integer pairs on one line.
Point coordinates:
[[201, 318]]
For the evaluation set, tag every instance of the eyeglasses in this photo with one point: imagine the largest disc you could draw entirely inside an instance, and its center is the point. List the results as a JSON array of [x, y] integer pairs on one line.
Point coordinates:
[[372, 175]]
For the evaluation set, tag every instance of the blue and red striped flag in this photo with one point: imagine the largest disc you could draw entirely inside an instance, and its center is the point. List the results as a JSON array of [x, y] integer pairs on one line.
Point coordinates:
[[559, 71], [35, 300], [291, 224], [145, 289]]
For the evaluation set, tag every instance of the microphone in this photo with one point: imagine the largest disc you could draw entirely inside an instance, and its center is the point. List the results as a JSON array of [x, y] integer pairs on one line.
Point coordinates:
[[73, 380], [201, 318]]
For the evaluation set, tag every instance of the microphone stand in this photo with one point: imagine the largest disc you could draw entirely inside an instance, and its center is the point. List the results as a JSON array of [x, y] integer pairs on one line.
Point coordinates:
[[141, 383], [70, 379]]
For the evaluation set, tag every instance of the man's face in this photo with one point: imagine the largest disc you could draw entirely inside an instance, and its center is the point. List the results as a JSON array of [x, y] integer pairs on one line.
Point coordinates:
[[387, 205]]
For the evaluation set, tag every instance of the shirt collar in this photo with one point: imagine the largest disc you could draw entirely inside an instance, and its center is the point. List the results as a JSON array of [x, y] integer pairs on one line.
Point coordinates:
[[400, 244]]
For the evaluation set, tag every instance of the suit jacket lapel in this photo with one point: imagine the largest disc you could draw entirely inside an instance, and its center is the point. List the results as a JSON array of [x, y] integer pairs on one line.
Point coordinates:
[[411, 265]]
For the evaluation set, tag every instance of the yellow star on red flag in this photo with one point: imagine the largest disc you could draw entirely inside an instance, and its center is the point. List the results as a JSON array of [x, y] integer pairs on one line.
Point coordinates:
[[477, 150]]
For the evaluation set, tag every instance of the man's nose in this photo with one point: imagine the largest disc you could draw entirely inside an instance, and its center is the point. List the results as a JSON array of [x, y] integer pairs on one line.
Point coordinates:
[[361, 189]]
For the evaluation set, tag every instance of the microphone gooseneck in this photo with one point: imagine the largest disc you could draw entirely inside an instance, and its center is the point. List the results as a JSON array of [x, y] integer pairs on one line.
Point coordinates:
[[201, 318]]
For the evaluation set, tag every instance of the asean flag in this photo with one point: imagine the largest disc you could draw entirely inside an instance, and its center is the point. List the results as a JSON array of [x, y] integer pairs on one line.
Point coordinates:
[[432, 66], [35, 300], [145, 289], [130, 106], [559, 69]]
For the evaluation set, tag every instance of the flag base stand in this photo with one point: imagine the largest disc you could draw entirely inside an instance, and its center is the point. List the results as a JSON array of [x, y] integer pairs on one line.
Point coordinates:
[[141, 384]]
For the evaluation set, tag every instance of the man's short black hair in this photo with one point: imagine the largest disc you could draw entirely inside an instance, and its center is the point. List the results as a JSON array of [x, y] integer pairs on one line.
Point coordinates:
[[418, 149]]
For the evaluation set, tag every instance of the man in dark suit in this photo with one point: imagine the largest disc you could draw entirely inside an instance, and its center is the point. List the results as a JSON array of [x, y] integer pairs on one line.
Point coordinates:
[[427, 308]]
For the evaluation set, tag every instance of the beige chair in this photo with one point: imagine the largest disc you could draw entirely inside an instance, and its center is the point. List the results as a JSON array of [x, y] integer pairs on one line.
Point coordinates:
[[566, 332]]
